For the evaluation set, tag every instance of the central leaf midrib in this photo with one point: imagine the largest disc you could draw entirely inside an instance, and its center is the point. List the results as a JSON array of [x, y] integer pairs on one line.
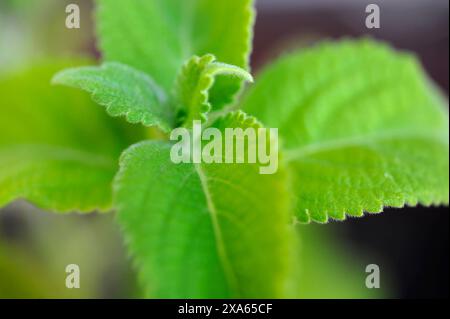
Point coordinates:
[[220, 244]]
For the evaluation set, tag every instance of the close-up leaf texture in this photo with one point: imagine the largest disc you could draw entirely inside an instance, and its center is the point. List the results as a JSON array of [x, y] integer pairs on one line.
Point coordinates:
[[362, 127], [123, 91], [203, 231], [58, 149], [158, 36]]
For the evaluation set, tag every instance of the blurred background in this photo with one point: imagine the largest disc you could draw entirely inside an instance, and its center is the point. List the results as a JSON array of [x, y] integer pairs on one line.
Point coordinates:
[[409, 245]]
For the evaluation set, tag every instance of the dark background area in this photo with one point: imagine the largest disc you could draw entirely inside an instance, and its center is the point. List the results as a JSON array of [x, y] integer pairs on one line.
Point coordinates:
[[412, 242]]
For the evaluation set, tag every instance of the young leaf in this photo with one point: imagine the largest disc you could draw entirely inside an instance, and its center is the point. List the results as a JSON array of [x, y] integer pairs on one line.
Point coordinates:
[[203, 230], [362, 128], [57, 148], [158, 36], [123, 90], [195, 81]]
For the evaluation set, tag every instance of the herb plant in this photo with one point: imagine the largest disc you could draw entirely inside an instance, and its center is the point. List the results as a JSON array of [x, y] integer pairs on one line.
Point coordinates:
[[361, 128]]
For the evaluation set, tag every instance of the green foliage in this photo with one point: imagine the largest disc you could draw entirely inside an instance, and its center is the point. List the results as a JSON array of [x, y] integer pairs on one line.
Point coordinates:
[[362, 128], [202, 230], [194, 82], [57, 149], [123, 90], [158, 36]]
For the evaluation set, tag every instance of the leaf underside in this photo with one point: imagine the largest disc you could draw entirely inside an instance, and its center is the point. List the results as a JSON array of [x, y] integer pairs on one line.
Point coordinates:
[[362, 128]]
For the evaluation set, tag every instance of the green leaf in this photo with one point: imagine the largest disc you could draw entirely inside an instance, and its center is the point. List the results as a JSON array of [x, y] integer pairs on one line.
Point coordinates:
[[193, 85], [158, 36], [203, 230], [123, 90], [362, 128], [57, 148]]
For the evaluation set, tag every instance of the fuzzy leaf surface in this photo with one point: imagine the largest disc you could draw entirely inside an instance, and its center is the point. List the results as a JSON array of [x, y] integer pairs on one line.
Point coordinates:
[[123, 90], [158, 36], [362, 128], [57, 149], [194, 83], [202, 230]]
